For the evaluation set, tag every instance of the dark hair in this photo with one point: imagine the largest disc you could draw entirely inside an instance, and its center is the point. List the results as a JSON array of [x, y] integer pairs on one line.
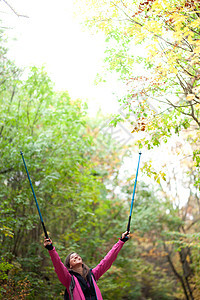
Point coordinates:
[[67, 261], [86, 269]]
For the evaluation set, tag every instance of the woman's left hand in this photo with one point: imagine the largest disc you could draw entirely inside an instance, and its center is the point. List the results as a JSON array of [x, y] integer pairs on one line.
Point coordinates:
[[125, 236]]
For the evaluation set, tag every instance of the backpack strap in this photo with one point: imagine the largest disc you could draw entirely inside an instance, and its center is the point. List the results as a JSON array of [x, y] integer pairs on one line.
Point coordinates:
[[90, 276], [71, 287]]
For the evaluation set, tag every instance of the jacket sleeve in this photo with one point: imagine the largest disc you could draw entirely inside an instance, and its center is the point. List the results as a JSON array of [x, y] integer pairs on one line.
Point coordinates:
[[107, 261], [63, 275]]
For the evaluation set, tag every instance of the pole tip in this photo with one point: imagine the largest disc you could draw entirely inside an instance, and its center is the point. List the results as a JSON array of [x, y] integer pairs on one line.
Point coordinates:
[[140, 153], [21, 152]]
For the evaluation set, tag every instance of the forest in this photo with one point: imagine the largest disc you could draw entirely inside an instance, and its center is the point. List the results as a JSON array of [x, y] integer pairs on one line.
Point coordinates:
[[78, 171]]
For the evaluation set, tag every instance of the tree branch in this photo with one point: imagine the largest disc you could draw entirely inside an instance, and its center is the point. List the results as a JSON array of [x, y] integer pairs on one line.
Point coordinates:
[[6, 171], [19, 15], [175, 272]]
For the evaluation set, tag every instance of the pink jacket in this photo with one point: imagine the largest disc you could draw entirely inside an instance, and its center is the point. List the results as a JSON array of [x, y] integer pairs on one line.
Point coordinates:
[[65, 277]]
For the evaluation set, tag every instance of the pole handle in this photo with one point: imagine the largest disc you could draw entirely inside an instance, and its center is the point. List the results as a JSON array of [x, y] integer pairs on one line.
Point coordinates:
[[129, 224], [44, 229]]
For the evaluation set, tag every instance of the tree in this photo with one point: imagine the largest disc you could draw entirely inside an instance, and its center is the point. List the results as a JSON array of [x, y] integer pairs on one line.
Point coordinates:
[[67, 169], [163, 98], [166, 237]]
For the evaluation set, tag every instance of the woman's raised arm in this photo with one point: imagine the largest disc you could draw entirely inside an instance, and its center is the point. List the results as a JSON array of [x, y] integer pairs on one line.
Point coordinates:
[[63, 275], [108, 260]]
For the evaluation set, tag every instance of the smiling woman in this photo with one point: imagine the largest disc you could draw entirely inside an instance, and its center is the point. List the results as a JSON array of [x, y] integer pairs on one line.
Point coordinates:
[[76, 272], [74, 260]]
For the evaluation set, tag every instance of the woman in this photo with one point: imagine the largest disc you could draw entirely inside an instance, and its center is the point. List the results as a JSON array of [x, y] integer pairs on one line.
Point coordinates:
[[85, 286]]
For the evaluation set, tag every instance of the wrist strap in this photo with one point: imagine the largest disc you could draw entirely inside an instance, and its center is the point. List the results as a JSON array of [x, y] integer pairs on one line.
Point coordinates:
[[49, 247]]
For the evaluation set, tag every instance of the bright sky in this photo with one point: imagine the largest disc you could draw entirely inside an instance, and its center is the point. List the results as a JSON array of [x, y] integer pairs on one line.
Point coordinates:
[[51, 36]]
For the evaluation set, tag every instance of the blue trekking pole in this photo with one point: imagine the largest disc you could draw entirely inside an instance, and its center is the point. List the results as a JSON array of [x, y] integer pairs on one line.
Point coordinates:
[[129, 220], [45, 232]]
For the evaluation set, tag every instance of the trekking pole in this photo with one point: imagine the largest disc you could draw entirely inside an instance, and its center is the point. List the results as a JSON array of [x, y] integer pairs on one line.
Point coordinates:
[[45, 232], [129, 220]]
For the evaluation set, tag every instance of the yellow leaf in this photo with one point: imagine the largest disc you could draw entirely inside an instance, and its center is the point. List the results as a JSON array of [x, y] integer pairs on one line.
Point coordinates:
[[190, 97], [197, 50], [190, 40], [196, 23]]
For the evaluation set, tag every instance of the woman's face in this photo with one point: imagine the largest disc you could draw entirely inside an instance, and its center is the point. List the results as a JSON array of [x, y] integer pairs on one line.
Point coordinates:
[[75, 259]]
